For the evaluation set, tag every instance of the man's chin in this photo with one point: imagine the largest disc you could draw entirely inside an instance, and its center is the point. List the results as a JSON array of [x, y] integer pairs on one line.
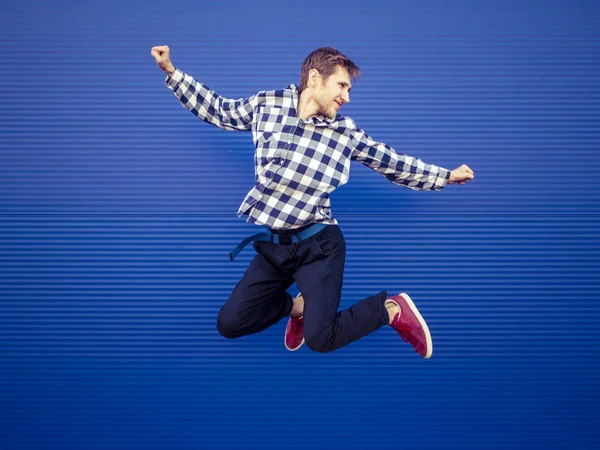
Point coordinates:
[[329, 114]]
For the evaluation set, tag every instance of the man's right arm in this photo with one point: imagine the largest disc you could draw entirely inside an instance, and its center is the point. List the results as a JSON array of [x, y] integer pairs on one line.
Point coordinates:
[[207, 105]]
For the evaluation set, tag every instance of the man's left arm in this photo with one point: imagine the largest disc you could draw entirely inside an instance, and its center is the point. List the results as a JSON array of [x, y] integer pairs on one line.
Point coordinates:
[[401, 169]]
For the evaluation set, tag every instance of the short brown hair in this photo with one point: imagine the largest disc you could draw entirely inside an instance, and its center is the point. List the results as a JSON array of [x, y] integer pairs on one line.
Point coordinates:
[[325, 60]]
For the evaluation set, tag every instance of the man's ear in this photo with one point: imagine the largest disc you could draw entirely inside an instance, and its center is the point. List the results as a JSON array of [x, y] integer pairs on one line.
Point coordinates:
[[314, 77]]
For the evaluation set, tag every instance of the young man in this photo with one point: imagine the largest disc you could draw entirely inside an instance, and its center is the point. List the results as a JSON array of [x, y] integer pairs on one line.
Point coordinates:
[[303, 153]]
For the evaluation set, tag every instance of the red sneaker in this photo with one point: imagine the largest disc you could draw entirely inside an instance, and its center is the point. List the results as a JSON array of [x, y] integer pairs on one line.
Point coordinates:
[[411, 326], [294, 333]]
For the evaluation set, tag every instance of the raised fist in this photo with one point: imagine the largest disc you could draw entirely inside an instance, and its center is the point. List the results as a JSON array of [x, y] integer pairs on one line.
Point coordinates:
[[163, 58]]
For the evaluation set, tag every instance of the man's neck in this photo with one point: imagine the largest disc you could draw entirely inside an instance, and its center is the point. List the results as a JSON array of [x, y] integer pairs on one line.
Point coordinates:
[[307, 106]]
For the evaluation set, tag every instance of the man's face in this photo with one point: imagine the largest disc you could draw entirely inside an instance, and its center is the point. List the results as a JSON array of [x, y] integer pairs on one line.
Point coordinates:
[[333, 92]]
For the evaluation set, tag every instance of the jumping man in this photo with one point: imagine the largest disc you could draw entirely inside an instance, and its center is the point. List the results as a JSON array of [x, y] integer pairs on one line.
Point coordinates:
[[303, 153]]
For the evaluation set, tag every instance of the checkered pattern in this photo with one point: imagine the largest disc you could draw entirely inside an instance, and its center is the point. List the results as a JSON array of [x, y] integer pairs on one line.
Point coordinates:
[[299, 162]]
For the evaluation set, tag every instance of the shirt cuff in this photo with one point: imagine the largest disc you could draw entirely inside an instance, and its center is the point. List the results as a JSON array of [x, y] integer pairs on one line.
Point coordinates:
[[174, 80], [442, 178]]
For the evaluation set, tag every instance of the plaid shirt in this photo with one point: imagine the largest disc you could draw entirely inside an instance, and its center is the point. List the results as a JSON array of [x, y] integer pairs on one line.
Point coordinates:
[[298, 162]]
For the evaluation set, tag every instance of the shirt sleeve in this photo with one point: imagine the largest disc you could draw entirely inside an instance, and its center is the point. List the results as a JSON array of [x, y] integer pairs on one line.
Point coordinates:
[[400, 169], [207, 105]]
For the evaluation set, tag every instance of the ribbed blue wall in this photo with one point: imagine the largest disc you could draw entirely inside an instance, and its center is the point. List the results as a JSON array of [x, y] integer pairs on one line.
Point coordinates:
[[117, 213]]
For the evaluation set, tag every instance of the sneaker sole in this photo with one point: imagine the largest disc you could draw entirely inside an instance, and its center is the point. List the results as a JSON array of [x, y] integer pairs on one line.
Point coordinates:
[[293, 349], [422, 322]]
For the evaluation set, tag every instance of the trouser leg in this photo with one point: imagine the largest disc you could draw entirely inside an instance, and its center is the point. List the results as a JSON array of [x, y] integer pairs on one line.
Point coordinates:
[[319, 277], [258, 301]]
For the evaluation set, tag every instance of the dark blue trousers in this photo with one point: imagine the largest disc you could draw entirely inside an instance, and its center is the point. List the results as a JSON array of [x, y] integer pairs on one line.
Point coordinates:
[[260, 299]]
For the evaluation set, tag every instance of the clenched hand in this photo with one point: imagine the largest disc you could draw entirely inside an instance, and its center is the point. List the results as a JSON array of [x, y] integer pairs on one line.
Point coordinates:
[[461, 175], [163, 58]]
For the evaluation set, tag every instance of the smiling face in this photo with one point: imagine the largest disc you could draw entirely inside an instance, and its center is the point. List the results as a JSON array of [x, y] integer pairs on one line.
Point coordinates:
[[333, 92]]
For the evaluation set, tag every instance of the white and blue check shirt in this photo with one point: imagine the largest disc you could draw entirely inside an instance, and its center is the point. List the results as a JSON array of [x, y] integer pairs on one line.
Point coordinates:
[[298, 162]]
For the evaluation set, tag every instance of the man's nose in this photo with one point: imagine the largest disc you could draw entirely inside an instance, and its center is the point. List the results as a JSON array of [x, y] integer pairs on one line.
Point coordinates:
[[346, 97]]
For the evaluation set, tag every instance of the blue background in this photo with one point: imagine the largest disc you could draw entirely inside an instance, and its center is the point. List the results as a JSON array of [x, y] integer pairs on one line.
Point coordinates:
[[117, 213]]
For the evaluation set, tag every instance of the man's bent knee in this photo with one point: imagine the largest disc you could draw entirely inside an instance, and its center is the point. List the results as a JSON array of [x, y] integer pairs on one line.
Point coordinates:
[[320, 342], [228, 326]]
